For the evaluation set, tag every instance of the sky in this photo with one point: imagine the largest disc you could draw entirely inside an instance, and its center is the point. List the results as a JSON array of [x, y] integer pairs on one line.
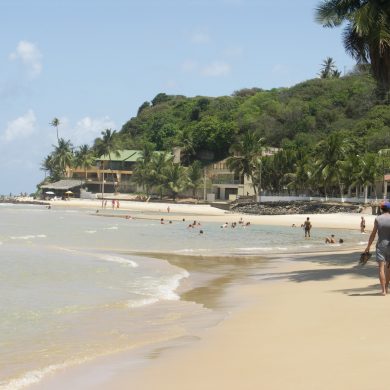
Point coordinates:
[[92, 63]]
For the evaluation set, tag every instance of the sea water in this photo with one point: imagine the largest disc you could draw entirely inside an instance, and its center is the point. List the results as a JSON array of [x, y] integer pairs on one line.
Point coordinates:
[[73, 288]]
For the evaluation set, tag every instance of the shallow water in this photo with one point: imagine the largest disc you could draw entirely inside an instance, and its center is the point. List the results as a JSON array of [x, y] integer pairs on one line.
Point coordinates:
[[69, 293]]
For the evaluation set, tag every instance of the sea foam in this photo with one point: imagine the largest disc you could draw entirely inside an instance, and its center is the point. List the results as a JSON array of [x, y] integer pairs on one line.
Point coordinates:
[[120, 260]]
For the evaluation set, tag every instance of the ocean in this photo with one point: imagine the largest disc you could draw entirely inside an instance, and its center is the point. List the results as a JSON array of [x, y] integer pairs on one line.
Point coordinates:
[[74, 287]]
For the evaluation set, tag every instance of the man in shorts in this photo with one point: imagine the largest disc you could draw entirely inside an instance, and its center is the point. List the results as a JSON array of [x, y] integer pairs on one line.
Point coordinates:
[[307, 227], [382, 227]]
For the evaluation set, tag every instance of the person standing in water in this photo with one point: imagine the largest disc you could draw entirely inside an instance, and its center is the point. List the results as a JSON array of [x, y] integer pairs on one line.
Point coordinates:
[[362, 225], [382, 227], [307, 227]]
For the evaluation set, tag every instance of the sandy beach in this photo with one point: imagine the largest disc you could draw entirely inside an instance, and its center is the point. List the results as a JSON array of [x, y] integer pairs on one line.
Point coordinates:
[[206, 213], [310, 321]]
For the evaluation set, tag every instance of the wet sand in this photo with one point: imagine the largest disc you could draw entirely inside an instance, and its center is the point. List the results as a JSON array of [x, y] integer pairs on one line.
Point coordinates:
[[313, 321]]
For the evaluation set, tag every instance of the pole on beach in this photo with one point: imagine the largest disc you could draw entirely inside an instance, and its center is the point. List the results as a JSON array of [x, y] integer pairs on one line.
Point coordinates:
[[102, 168], [204, 184]]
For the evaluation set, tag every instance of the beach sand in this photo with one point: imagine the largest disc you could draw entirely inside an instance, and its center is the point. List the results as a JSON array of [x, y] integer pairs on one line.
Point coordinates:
[[314, 321]]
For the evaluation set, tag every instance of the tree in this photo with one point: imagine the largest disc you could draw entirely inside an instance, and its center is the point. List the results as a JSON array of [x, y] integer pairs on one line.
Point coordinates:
[[175, 178], [142, 172], [62, 157], [107, 145], [367, 34], [84, 158], [245, 159], [331, 153], [55, 123], [329, 69], [157, 168], [369, 173], [195, 176]]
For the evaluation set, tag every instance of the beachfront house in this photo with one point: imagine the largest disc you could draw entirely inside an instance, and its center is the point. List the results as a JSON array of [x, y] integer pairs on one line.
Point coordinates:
[[65, 188], [226, 184], [114, 171]]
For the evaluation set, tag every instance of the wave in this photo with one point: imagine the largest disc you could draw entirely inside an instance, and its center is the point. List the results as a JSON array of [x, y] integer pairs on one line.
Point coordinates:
[[28, 237], [35, 376], [90, 231], [120, 260], [160, 292], [111, 228]]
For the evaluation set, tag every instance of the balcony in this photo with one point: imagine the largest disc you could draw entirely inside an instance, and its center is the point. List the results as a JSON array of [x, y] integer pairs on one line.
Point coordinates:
[[225, 180]]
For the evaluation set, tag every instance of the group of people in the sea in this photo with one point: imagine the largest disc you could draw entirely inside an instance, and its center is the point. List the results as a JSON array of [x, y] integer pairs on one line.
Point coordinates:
[[306, 225]]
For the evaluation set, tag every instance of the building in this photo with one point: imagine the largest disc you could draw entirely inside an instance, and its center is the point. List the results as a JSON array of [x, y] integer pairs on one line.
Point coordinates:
[[227, 185], [115, 171]]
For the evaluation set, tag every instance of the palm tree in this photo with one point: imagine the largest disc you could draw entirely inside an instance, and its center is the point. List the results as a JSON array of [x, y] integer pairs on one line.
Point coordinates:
[[84, 158], [107, 145], [329, 69], [367, 34], [175, 178], [331, 153], [63, 156], [245, 159], [55, 123], [157, 166], [142, 175], [195, 176], [369, 173]]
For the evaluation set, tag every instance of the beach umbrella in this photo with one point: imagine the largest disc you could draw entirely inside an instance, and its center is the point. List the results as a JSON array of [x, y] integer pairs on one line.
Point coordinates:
[[68, 192], [49, 192]]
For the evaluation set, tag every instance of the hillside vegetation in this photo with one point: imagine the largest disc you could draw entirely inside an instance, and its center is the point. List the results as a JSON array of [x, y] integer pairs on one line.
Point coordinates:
[[206, 127]]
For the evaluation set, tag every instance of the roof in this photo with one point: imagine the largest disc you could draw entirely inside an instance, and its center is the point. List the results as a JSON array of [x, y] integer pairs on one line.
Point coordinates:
[[122, 155], [63, 184], [125, 155]]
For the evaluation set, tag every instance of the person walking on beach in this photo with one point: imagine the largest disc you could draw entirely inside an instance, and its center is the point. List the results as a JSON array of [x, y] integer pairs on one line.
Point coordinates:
[[307, 227], [382, 227], [362, 225]]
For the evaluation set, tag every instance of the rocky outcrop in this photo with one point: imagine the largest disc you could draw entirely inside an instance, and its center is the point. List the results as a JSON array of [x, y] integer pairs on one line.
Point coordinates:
[[294, 207]]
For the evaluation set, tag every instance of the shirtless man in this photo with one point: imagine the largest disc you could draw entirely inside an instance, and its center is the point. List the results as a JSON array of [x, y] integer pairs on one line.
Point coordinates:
[[307, 227]]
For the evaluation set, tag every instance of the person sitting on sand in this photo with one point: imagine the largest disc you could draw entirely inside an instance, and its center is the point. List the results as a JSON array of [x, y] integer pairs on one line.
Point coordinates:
[[330, 240], [162, 221], [382, 227]]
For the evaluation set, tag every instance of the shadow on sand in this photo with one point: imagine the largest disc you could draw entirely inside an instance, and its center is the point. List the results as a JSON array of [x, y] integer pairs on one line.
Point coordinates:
[[337, 264]]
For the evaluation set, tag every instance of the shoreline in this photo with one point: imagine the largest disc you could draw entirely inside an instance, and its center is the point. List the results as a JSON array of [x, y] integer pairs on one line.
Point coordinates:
[[244, 292], [240, 297], [207, 213]]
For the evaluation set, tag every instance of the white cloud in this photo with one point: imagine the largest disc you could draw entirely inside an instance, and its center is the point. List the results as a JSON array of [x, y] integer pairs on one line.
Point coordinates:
[[189, 66], [234, 52], [21, 127], [30, 56], [216, 69], [87, 129], [200, 38], [280, 69]]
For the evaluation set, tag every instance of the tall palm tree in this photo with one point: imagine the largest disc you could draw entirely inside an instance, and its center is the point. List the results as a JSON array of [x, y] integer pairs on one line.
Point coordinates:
[[367, 34], [331, 153], [84, 158], [157, 167], [55, 123], [142, 175], [176, 180], [195, 176], [245, 159], [63, 156], [369, 173], [107, 145]]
